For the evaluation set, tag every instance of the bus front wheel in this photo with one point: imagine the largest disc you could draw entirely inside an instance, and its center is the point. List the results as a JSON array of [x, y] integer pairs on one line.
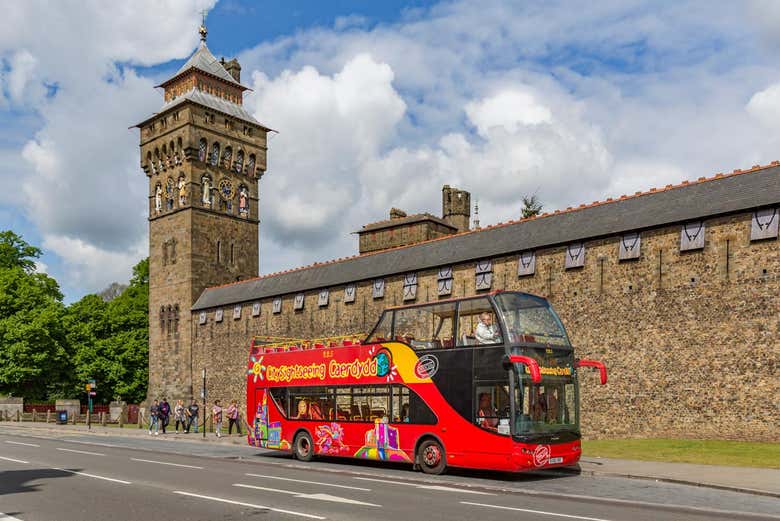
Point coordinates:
[[430, 457], [304, 448]]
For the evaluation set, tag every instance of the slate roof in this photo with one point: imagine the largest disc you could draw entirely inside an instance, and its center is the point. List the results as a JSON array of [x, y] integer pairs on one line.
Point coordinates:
[[212, 102], [409, 219], [204, 61], [723, 194]]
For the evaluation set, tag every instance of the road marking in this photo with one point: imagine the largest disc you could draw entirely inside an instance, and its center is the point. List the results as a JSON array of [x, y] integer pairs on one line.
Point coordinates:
[[93, 476], [14, 460], [4, 517], [440, 488], [21, 443], [535, 511], [81, 452], [95, 443], [166, 463], [250, 505], [310, 482], [320, 497]]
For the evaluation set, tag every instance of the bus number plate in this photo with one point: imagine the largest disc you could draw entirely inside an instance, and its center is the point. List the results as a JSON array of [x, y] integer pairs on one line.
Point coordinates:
[[553, 461]]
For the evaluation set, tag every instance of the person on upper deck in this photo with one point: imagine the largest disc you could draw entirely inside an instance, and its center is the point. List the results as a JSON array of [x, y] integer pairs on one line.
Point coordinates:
[[487, 331]]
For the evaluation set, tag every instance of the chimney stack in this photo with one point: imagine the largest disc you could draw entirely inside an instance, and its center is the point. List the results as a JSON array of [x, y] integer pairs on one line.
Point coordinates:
[[456, 207], [233, 68]]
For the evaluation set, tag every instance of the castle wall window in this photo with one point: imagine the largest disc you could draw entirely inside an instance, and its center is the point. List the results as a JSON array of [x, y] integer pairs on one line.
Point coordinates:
[[692, 236], [214, 154], [764, 224], [444, 281], [227, 156], [483, 274], [239, 161], [202, 146], [323, 297], [298, 302], [410, 286], [378, 288], [350, 291], [575, 256], [630, 246], [277, 306]]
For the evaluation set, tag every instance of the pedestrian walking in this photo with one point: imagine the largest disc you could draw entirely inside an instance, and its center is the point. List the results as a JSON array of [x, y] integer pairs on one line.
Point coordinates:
[[154, 419], [192, 416], [180, 416], [165, 413], [232, 414], [217, 412]]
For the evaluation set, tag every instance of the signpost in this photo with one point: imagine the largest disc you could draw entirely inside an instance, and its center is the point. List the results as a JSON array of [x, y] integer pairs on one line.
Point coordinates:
[[203, 395], [90, 387]]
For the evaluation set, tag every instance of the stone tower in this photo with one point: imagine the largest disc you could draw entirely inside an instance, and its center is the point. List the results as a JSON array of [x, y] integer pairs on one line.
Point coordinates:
[[456, 207], [203, 154]]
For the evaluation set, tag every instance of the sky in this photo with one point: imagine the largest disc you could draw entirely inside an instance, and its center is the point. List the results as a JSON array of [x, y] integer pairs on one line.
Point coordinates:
[[377, 105]]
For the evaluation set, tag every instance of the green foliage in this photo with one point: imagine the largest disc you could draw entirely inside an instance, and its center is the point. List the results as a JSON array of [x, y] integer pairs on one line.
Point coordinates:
[[110, 340], [49, 351], [531, 206], [33, 349], [16, 253]]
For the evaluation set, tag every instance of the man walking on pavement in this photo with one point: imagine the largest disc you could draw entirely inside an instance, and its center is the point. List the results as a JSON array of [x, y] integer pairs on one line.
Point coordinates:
[[192, 416]]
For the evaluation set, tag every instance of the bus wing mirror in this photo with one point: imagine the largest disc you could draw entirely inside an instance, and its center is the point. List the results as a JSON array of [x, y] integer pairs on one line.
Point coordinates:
[[530, 363], [598, 365]]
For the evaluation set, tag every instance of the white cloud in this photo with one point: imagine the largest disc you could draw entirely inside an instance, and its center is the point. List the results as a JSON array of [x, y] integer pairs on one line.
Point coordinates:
[[88, 266], [508, 109], [332, 125], [764, 106]]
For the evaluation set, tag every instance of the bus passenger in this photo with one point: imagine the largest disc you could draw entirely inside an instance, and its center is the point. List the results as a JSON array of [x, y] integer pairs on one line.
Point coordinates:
[[487, 415], [487, 332], [303, 409]]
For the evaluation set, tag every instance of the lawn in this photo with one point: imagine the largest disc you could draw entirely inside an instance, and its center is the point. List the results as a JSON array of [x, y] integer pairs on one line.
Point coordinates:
[[707, 452]]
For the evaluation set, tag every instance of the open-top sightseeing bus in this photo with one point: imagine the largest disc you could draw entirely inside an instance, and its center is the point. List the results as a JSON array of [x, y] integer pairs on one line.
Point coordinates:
[[485, 382]]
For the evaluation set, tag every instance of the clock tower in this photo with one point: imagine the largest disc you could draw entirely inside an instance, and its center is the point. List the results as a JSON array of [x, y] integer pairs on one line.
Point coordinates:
[[203, 154]]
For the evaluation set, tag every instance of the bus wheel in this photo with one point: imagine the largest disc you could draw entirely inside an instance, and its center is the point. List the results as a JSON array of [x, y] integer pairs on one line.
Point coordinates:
[[431, 457], [304, 448]]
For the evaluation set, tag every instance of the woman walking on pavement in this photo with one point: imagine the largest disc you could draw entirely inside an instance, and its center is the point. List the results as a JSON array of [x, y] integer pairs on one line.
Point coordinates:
[[164, 412], [217, 412], [180, 416], [232, 414], [154, 423]]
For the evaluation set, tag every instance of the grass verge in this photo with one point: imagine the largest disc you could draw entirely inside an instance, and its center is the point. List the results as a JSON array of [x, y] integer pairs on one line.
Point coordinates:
[[706, 452]]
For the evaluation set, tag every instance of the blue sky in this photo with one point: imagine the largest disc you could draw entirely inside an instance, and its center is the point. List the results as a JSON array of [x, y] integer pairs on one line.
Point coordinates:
[[378, 104]]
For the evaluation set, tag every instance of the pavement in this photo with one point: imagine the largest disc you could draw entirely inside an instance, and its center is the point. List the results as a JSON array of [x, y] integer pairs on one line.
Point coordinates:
[[51, 472], [760, 481]]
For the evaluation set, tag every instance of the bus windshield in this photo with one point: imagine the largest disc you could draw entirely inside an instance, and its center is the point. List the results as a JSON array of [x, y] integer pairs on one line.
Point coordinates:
[[552, 405], [530, 319]]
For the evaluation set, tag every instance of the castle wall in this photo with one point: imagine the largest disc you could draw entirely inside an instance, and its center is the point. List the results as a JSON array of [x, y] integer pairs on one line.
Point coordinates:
[[690, 338]]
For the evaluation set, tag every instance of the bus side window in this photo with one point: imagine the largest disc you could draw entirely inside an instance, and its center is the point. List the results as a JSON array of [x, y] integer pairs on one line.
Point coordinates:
[[419, 412], [279, 396]]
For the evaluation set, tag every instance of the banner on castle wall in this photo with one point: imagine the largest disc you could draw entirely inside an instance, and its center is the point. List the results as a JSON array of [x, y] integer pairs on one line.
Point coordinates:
[[630, 244], [575, 255], [349, 293], [483, 272], [410, 286], [692, 236], [526, 263], [323, 298], [444, 281], [378, 288], [764, 224]]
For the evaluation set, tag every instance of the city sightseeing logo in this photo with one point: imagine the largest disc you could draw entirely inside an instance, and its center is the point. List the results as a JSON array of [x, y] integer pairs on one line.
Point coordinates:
[[541, 455], [426, 367]]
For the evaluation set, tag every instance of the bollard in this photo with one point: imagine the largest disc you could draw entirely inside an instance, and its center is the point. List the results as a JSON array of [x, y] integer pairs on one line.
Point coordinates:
[[75, 417], [34, 416], [48, 416], [18, 415], [103, 418]]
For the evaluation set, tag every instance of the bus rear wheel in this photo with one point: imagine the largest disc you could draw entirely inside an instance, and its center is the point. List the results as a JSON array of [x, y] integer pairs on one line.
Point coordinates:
[[430, 457], [304, 448]]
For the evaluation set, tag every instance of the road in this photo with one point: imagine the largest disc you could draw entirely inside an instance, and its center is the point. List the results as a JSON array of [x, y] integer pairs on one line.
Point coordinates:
[[63, 478]]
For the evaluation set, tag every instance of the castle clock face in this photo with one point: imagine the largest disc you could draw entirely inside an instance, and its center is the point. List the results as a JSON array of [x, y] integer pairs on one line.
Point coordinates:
[[226, 189]]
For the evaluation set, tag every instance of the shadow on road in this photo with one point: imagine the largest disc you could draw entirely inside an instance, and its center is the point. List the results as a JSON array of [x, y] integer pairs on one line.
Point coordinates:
[[19, 481], [352, 464]]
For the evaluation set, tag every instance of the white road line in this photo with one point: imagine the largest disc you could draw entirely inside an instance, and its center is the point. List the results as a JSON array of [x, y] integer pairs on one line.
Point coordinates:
[[250, 505], [440, 488], [14, 460], [81, 452], [535, 511], [94, 476], [21, 443], [166, 463], [95, 443], [310, 482], [303, 495], [4, 517]]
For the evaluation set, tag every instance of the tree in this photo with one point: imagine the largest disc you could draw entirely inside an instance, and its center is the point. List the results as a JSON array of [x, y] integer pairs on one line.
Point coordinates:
[[16, 253], [531, 206], [34, 360], [110, 340], [112, 291]]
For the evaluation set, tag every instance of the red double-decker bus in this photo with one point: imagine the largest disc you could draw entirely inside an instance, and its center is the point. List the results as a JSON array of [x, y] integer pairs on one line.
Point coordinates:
[[486, 382]]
